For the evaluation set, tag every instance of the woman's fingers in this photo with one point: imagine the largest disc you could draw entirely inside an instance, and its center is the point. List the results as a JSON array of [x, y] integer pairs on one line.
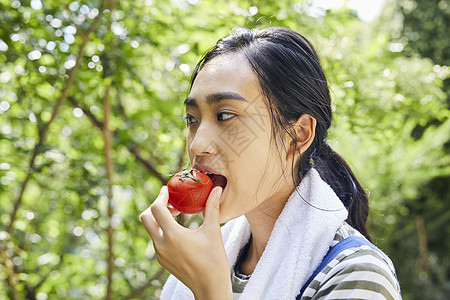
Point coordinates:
[[212, 207], [148, 219], [184, 252], [150, 224], [161, 213], [175, 212], [158, 218]]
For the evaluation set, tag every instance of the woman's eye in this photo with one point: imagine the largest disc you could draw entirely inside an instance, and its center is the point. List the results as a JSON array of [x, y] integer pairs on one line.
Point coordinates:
[[223, 116], [189, 120]]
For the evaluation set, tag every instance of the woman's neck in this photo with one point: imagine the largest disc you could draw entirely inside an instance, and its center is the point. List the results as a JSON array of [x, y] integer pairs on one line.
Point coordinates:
[[261, 220]]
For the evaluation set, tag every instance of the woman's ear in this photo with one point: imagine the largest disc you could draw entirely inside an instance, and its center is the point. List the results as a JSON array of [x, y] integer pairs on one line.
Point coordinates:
[[304, 131]]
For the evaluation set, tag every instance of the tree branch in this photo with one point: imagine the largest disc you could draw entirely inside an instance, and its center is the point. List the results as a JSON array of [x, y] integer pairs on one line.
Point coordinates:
[[12, 278], [422, 244], [87, 112], [133, 148], [107, 137], [147, 164]]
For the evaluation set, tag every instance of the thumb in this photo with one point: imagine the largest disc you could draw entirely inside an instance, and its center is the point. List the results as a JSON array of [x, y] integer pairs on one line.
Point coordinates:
[[212, 206]]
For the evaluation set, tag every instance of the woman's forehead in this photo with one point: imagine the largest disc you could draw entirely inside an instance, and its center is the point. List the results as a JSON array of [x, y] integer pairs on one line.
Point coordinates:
[[228, 73]]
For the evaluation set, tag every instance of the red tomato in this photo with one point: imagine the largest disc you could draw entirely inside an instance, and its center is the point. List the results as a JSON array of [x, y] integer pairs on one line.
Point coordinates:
[[189, 190]]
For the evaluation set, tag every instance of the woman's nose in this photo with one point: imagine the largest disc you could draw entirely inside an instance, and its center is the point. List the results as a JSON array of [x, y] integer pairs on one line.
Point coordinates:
[[203, 142]]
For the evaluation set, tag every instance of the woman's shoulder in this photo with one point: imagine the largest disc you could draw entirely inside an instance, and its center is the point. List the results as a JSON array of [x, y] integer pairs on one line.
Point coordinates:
[[361, 272], [346, 231]]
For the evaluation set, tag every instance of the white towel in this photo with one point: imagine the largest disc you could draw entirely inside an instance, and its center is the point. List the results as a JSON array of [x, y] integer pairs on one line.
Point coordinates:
[[299, 241]]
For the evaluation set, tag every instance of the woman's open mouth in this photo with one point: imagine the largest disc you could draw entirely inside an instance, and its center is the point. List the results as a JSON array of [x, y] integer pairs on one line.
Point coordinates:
[[217, 179]]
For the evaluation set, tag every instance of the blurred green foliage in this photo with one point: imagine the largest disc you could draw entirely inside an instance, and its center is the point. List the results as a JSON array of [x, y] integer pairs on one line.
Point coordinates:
[[73, 72]]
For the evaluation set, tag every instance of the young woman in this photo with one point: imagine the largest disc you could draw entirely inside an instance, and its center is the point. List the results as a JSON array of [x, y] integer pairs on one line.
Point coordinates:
[[258, 112]]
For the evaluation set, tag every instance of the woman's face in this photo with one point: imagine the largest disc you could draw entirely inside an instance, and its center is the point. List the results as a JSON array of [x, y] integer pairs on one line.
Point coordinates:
[[229, 133]]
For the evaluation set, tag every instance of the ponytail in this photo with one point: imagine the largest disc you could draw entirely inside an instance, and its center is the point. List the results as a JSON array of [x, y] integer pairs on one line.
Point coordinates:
[[336, 172]]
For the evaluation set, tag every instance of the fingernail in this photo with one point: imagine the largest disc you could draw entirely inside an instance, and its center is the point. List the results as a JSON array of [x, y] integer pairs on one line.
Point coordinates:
[[219, 192]]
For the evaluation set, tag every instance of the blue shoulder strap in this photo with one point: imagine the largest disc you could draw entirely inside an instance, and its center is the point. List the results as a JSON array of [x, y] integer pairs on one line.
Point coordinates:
[[347, 243]]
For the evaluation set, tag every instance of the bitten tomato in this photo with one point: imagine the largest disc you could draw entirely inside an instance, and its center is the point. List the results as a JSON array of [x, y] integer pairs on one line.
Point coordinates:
[[189, 190]]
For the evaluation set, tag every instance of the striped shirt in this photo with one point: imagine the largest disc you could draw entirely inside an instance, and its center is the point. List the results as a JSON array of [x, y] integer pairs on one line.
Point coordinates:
[[356, 273]]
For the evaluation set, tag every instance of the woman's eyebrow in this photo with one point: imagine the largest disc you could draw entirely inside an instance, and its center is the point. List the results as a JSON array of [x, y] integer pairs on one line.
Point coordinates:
[[215, 98]]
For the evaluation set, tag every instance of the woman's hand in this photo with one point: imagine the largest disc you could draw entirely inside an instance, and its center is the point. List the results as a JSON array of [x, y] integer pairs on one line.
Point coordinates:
[[196, 257]]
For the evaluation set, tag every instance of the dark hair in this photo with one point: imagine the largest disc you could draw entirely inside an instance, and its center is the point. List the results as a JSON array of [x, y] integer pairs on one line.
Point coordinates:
[[293, 82]]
